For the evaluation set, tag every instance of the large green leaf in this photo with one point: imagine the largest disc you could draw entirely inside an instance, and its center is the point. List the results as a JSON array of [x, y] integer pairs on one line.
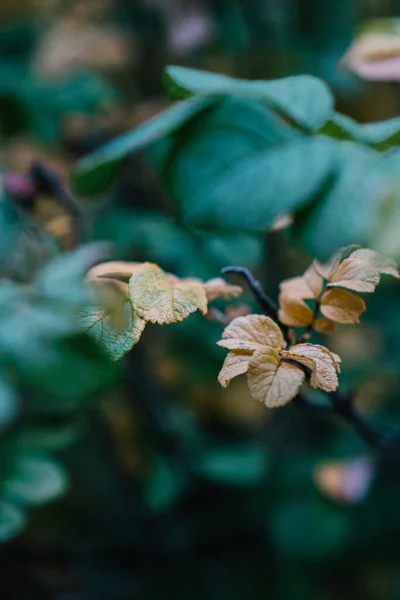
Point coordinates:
[[304, 99], [360, 207], [381, 135], [248, 182], [98, 171]]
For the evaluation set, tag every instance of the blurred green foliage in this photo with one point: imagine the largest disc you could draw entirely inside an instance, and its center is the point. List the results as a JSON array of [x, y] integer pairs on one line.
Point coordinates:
[[158, 484]]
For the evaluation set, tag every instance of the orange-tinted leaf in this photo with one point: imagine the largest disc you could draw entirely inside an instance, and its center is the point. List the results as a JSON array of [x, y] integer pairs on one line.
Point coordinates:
[[342, 306], [324, 325], [294, 313], [361, 271]]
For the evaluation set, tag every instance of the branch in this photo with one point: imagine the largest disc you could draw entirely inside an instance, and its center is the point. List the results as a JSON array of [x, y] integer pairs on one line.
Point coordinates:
[[269, 307]]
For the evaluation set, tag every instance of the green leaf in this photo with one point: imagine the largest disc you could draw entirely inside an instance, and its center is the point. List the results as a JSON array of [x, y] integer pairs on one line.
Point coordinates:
[[243, 188], [98, 171], [347, 213], [381, 135], [241, 465], [12, 520], [115, 342], [35, 479], [304, 99]]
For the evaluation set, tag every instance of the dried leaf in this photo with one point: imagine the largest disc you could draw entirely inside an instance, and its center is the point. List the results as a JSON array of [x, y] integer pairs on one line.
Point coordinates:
[[219, 288], [158, 298], [113, 269], [236, 363], [252, 332], [271, 381], [324, 325], [342, 306], [294, 312], [320, 361], [361, 271]]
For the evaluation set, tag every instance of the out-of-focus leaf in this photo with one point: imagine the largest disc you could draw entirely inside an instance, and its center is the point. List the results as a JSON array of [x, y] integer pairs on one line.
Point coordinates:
[[12, 520], [305, 99], [97, 171], [9, 402], [163, 486], [381, 135], [308, 528], [240, 465], [35, 479], [227, 174]]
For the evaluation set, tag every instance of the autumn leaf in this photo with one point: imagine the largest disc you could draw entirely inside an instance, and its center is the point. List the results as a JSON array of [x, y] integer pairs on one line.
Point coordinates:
[[321, 363], [361, 271], [252, 332], [159, 298], [236, 363], [111, 319], [293, 310], [274, 375], [342, 306], [219, 288], [272, 381]]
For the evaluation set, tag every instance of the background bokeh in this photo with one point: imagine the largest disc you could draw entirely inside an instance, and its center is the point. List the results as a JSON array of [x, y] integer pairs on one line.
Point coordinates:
[[145, 480]]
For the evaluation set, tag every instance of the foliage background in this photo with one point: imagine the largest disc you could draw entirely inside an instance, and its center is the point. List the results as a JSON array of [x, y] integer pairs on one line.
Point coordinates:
[[145, 479]]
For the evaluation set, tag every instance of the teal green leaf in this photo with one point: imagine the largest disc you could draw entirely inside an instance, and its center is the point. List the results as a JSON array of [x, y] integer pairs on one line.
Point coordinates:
[[304, 99], [12, 520], [98, 171], [240, 465], [382, 135], [35, 479], [116, 342], [244, 188], [163, 485]]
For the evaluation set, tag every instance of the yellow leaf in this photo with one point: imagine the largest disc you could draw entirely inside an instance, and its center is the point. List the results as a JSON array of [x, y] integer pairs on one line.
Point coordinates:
[[236, 363], [272, 381], [219, 288], [361, 271], [252, 332], [293, 310], [324, 325], [342, 306], [321, 363], [158, 298]]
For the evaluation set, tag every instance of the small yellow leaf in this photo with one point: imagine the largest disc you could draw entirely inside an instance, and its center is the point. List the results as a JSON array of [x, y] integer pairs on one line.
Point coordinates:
[[236, 363], [324, 325], [342, 306], [321, 363], [252, 332], [159, 298], [219, 288], [293, 310], [271, 381]]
